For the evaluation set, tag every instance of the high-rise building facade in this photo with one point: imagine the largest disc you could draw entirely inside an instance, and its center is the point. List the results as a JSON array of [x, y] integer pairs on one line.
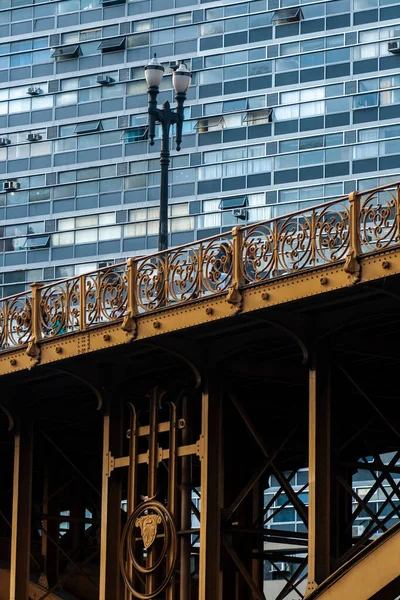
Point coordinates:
[[289, 104]]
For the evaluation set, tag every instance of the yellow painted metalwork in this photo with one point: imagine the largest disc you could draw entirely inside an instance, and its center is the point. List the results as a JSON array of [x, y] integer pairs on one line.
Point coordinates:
[[350, 240], [370, 572]]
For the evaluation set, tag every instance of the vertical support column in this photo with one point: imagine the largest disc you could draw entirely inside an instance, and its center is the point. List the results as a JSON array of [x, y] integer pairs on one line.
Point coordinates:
[[319, 545], [21, 511], [82, 302], [132, 483], [352, 265], [152, 479], [111, 503], [184, 588], [210, 581]]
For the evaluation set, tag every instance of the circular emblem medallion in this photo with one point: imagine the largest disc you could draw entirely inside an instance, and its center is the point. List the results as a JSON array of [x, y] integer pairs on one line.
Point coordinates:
[[147, 517]]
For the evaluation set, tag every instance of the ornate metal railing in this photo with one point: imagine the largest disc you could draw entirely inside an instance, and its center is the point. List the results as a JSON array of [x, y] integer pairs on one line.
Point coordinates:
[[338, 231]]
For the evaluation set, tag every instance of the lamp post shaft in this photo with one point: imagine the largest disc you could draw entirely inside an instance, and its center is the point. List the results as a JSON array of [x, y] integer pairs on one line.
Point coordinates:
[[164, 162], [166, 117]]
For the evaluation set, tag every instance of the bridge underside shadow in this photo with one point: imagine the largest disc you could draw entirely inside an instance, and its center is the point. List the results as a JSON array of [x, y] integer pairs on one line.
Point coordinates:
[[269, 444]]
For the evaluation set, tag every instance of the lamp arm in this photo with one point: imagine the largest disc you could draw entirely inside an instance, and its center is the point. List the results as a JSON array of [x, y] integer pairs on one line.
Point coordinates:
[[180, 99]]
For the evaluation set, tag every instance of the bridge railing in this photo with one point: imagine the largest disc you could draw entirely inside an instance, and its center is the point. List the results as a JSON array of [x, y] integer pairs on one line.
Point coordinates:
[[338, 231]]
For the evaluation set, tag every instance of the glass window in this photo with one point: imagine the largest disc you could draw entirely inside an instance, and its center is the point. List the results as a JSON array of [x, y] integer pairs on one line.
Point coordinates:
[[312, 109], [67, 6], [286, 161], [210, 172], [260, 67], [40, 149], [235, 57], [66, 98], [335, 56], [334, 139], [235, 72], [63, 239], [110, 233], [311, 142], [313, 94], [389, 97], [107, 219], [365, 151], [368, 85], [284, 113], [140, 39], [86, 236], [365, 100], [289, 146], [337, 6], [368, 135], [211, 28], [19, 60], [89, 94], [337, 105], [365, 4], [18, 106], [211, 76], [42, 102], [311, 158], [312, 59], [365, 51], [292, 48], [333, 155], [287, 64], [182, 224]]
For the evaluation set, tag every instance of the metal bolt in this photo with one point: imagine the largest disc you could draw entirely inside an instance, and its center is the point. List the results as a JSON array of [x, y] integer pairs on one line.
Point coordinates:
[[385, 264], [156, 324], [323, 280], [13, 362], [106, 337], [209, 310], [265, 296], [59, 350]]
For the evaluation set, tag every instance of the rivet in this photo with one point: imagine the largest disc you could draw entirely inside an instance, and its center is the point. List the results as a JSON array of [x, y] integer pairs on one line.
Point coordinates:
[[323, 280], [59, 350], [13, 362], [106, 337], [209, 310], [265, 296], [156, 324], [385, 264]]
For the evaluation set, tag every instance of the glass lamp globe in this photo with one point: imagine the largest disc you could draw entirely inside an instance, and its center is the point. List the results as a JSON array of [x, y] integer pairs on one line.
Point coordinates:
[[154, 72], [181, 79]]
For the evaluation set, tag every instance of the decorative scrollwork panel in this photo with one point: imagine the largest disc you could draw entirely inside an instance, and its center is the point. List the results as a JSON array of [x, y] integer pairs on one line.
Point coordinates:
[[185, 273], [105, 295], [15, 320], [379, 215], [60, 308]]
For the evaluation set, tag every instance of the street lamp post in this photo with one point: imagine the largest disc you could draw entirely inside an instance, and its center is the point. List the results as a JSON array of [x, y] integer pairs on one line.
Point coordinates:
[[181, 81]]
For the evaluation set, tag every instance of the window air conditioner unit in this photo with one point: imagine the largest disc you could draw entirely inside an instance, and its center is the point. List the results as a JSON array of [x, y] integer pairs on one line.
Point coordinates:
[[34, 90], [33, 137], [280, 567], [10, 186], [104, 79], [4, 141], [240, 213], [394, 47]]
